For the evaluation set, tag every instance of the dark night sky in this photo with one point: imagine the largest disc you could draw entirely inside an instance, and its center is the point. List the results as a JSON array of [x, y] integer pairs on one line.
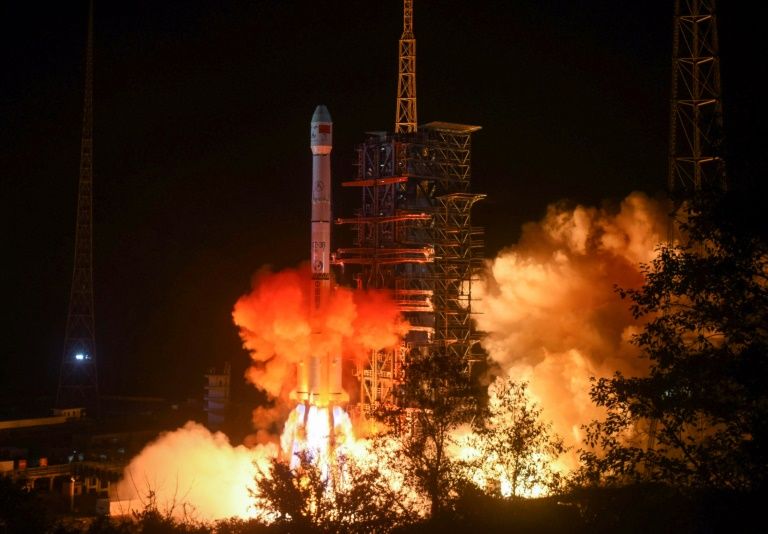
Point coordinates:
[[202, 164]]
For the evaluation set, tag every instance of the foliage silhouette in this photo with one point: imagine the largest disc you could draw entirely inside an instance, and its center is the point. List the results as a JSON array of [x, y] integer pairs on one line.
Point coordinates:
[[705, 401], [435, 400], [307, 499], [514, 445]]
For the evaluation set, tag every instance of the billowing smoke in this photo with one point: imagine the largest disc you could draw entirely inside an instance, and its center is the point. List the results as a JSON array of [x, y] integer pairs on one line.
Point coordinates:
[[193, 473], [274, 322], [549, 307]]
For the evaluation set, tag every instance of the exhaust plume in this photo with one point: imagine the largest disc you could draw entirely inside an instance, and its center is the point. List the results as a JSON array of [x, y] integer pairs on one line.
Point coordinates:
[[274, 321], [550, 310], [194, 473]]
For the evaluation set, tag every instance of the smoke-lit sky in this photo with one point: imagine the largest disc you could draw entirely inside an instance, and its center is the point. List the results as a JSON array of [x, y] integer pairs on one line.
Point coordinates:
[[202, 164]]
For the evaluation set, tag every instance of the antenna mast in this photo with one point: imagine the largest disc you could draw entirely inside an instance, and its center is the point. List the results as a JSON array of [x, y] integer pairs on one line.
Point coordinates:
[[405, 114], [78, 382]]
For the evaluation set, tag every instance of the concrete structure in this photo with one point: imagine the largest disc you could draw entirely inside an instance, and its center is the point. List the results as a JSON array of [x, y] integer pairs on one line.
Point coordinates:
[[217, 396]]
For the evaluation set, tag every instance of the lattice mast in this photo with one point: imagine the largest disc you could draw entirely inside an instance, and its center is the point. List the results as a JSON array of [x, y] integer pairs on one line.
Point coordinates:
[[696, 160], [405, 114], [78, 379], [696, 112]]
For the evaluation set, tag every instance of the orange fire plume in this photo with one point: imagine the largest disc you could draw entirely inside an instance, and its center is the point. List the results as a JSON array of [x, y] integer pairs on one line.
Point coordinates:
[[285, 334], [194, 466]]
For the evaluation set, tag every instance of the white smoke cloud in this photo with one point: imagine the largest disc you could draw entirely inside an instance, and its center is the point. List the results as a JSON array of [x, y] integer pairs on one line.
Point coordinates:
[[196, 473], [549, 307]]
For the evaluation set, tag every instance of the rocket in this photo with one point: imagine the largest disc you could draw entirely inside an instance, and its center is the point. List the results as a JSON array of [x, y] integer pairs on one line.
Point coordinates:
[[321, 143], [319, 374]]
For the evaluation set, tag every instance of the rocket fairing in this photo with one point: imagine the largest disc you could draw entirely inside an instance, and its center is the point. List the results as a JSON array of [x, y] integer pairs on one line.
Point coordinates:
[[319, 374]]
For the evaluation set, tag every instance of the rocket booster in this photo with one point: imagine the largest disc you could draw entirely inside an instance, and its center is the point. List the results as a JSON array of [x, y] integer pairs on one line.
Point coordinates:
[[319, 374]]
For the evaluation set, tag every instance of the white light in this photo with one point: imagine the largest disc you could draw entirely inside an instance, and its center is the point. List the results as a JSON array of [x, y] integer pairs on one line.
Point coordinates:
[[79, 357]]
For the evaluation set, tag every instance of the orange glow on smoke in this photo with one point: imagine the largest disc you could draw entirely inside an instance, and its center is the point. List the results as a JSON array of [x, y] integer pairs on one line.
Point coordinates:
[[550, 310], [547, 305], [193, 472], [277, 328], [280, 330], [192, 465]]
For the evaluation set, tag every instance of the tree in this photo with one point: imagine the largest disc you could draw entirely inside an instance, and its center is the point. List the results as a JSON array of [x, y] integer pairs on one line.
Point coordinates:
[[153, 519], [433, 402], [705, 400], [21, 510], [355, 499], [513, 445]]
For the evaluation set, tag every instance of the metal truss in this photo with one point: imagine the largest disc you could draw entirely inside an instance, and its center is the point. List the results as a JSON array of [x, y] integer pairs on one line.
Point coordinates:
[[413, 236], [78, 377], [458, 260], [405, 114], [696, 113]]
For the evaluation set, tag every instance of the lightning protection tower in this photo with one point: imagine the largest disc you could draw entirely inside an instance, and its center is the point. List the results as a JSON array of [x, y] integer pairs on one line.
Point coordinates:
[[405, 115], [78, 379], [696, 113]]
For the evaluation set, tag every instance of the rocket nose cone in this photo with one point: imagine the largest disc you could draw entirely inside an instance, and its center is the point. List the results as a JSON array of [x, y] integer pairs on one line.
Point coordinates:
[[321, 114]]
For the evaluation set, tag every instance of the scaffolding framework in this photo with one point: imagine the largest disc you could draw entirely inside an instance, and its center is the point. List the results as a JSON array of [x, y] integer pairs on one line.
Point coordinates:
[[458, 259], [413, 237]]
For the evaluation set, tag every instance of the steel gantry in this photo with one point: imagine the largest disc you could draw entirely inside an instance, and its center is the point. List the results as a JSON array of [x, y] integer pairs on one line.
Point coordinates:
[[413, 236]]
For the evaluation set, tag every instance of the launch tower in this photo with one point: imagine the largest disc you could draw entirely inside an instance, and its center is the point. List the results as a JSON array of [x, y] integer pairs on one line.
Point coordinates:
[[413, 232]]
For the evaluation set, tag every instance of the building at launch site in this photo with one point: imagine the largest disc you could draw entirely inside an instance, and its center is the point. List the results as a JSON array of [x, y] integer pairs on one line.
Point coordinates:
[[413, 233]]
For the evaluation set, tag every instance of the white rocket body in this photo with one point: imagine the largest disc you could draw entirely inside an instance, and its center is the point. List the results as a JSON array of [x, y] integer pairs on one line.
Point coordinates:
[[319, 375], [321, 143]]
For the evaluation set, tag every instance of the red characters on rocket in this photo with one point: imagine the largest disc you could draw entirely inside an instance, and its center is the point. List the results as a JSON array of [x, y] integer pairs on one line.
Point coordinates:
[[319, 374]]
